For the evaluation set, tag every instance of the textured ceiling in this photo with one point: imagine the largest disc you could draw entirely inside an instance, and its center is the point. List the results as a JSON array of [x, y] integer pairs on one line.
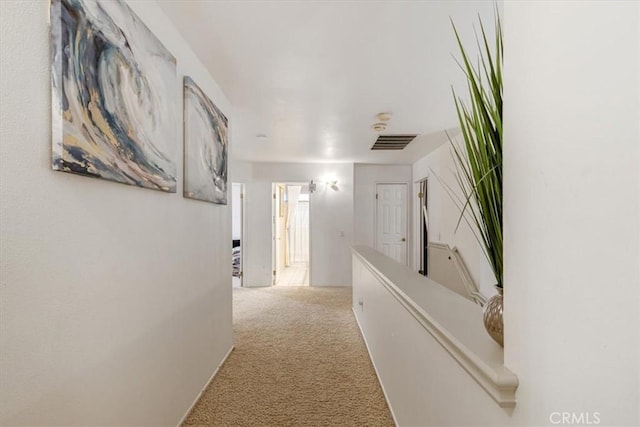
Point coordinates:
[[312, 75]]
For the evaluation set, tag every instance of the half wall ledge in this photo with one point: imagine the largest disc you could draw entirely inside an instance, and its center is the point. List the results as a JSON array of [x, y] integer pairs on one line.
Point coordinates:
[[453, 321]]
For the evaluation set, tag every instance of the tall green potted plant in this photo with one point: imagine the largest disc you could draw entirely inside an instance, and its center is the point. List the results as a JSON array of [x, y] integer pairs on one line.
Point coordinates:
[[479, 160]]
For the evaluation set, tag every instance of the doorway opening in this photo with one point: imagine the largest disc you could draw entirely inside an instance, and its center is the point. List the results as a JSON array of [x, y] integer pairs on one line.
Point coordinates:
[[423, 227], [291, 207], [237, 234]]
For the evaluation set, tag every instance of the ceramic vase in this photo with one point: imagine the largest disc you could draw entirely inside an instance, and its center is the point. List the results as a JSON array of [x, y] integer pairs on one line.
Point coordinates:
[[493, 317]]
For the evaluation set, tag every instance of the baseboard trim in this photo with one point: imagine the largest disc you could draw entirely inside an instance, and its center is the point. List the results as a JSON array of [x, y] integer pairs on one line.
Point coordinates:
[[193, 405], [375, 368]]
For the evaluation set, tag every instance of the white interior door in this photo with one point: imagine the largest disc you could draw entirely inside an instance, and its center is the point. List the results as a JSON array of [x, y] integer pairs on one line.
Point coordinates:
[[391, 221]]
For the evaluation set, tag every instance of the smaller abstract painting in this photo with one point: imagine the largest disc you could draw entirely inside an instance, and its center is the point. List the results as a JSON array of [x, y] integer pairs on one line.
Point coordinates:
[[205, 147]]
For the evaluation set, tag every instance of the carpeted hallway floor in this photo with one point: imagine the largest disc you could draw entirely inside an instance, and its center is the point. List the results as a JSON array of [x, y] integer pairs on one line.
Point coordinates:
[[299, 360]]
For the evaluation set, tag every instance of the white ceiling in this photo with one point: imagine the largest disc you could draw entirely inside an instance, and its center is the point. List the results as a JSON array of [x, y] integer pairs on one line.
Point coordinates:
[[312, 75]]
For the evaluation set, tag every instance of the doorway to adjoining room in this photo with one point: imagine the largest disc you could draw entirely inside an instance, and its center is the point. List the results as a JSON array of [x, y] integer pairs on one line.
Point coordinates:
[[237, 237], [291, 207], [423, 227]]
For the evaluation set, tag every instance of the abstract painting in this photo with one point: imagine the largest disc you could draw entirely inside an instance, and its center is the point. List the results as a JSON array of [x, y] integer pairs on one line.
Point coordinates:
[[114, 106], [205, 152]]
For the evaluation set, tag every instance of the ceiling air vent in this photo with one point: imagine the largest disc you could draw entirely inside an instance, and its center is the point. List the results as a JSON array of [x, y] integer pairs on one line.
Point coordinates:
[[392, 142]]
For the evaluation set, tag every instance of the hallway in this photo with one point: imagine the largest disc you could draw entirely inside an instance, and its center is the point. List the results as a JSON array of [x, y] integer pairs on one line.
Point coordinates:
[[299, 360]]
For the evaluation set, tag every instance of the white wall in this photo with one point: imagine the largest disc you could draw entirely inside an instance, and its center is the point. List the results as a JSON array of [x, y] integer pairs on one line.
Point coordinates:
[[331, 221], [571, 208], [366, 178], [280, 227], [240, 171], [116, 304], [258, 262], [236, 211], [439, 167]]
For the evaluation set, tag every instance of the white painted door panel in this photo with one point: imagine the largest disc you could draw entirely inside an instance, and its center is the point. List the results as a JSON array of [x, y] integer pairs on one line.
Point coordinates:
[[391, 221]]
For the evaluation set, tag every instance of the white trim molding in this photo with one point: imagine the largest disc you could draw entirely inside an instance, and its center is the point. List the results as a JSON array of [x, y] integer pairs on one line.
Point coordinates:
[[462, 336]]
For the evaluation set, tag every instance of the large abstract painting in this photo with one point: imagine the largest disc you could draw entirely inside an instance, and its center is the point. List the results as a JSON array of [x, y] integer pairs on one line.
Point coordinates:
[[114, 95], [206, 141]]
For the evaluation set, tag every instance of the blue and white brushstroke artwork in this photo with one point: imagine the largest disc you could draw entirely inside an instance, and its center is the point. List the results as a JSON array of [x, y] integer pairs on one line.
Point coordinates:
[[206, 142], [114, 95]]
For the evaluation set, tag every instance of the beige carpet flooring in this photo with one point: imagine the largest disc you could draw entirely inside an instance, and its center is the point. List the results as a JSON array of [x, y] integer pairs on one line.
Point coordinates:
[[299, 360]]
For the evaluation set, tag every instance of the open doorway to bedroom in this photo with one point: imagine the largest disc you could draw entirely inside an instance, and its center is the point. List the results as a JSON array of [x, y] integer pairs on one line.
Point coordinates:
[[291, 203], [237, 233]]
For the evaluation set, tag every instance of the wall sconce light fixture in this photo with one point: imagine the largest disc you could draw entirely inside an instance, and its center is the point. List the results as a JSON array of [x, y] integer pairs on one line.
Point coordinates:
[[312, 186]]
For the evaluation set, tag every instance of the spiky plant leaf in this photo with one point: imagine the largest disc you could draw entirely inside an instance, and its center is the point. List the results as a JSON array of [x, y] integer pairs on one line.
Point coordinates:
[[479, 159]]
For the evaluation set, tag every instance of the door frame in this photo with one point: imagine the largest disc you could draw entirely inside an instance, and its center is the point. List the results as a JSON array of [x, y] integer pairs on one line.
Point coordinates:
[[274, 185], [242, 227], [275, 201], [422, 239], [408, 205], [417, 226]]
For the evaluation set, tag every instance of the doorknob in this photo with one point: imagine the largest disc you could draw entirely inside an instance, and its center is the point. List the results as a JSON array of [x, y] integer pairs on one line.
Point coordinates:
[[404, 240]]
